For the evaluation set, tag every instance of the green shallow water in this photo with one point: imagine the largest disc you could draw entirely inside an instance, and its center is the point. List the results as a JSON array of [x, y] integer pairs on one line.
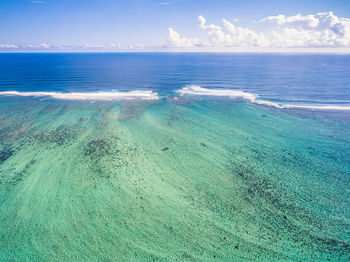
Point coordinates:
[[176, 180]]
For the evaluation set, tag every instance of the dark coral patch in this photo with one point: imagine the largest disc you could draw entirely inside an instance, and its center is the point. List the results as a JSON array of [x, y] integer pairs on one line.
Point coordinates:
[[59, 136], [97, 148], [5, 154]]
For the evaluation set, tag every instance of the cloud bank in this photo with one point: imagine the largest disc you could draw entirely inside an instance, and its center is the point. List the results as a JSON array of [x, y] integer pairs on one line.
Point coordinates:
[[318, 30], [322, 31], [86, 47]]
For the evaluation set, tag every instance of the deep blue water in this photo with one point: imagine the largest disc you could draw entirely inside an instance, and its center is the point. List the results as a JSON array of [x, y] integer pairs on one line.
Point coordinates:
[[308, 79]]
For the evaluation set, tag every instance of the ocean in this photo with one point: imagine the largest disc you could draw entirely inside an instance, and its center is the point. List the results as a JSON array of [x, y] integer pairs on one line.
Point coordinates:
[[174, 157]]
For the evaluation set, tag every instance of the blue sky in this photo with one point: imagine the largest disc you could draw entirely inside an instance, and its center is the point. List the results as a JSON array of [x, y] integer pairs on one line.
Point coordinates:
[[172, 24]]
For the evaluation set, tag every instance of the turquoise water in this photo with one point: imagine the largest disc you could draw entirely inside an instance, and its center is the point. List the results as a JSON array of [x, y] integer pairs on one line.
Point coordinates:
[[174, 157], [186, 179]]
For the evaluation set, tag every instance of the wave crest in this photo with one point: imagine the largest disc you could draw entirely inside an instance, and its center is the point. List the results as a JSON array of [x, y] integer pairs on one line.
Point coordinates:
[[101, 96], [251, 97]]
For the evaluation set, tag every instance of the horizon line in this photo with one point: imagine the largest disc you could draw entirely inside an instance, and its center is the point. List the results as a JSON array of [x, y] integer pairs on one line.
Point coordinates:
[[180, 52]]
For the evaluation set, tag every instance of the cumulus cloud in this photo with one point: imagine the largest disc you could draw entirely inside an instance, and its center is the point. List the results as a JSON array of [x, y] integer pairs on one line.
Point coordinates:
[[318, 30], [322, 29], [308, 21], [240, 36], [232, 35], [175, 40], [215, 33]]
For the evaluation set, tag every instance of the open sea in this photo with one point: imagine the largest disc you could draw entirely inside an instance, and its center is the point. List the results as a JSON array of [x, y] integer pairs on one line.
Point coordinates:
[[174, 157]]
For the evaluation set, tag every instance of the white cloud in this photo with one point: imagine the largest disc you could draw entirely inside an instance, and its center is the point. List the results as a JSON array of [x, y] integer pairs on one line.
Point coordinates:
[[240, 36], [232, 36], [322, 29], [117, 46], [318, 30], [175, 40], [308, 21], [101, 46], [43, 45], [40, 46], [215, 33], [8, 46]]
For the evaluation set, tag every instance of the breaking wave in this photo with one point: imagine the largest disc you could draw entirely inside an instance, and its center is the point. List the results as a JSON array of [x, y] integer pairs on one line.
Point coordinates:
[[101, 96], [253, 98]]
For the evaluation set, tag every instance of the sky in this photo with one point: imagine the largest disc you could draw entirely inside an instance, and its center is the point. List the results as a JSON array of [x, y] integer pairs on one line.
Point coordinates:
[[174, 25]]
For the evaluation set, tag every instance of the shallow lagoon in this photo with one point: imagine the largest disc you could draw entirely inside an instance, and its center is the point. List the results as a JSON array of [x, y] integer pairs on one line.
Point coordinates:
[[187, 179]]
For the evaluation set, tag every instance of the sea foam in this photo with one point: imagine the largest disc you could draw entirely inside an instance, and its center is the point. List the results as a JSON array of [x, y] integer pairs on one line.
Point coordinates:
[[102, 96], [251, 97]]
